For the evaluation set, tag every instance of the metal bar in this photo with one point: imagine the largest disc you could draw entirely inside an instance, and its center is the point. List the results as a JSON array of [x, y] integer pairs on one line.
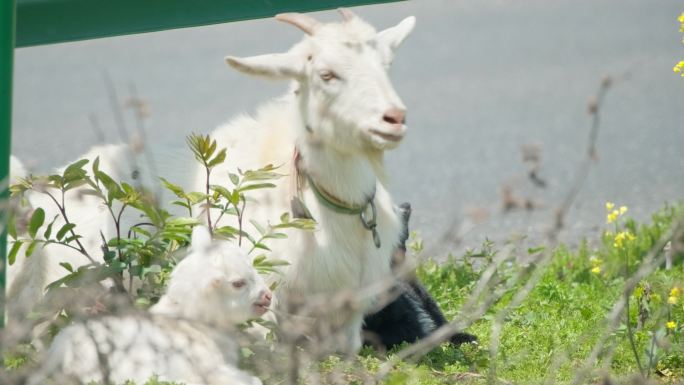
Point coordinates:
[[55, 21], [7, 18]]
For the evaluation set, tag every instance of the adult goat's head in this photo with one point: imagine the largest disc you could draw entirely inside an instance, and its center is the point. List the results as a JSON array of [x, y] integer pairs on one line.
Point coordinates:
[[346, 98]]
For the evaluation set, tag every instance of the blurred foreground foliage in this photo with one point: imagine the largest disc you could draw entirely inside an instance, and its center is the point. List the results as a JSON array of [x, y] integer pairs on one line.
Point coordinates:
[[547, 338]]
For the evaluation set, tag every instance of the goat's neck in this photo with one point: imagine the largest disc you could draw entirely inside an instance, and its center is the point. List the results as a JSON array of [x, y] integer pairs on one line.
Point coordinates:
[[351, 178]]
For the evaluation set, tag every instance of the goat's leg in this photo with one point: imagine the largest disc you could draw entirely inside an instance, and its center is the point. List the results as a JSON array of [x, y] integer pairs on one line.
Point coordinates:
[[227, 374], [352, 333]]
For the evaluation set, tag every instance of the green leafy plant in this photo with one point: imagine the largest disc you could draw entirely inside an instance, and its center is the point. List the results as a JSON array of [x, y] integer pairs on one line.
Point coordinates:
[[147, 250]]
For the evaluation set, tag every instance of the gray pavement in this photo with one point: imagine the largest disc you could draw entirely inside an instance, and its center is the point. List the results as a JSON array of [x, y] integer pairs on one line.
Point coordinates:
[[480, 78]]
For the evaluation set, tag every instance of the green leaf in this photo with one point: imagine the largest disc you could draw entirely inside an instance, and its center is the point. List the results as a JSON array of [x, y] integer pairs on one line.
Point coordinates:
[[196, 197], [248, 236], [218, 159], [109, 256], [74, 171], [72, 238], [173, 188], [37, 220], [75, 183], [259, 259], [48, 230], [231, 211], [30, 248], [211, 149], [258, 227], [12, 255], [235, 197], [277, 262], [63, 230], [181, 203], [276, 236], [299, 223], [224, 192], [154, 269], [141, 231], [96, 165], [113, 189], [12, 227], [285, 217], [128, 189], [227, 231], [22, 185], [256, 186], [260, 245], [67, 266], [535, 250], [183, 221], [234, 178]]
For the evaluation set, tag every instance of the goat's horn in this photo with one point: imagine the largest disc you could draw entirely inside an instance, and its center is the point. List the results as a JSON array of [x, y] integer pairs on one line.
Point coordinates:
[[304, 22], [346, 13]]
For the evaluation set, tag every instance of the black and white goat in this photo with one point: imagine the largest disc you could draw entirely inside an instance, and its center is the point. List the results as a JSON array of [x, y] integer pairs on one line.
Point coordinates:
[[413, 314]]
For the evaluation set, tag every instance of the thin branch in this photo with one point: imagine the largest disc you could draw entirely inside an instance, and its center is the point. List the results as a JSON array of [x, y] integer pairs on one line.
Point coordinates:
[[582, 173], [207, 190], [62, 211]]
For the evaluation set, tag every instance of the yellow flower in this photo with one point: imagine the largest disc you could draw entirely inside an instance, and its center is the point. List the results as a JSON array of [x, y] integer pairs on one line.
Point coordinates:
[[621, 237], [623, 209], [612, 216], [679, 67], [619, 240], [674, 292], [610, 206], [596, 270], [681, 18], [671, 324], [672, 300]]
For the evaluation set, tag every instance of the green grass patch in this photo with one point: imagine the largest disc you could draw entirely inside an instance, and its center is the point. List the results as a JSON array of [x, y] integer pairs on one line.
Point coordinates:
[[550, 335]]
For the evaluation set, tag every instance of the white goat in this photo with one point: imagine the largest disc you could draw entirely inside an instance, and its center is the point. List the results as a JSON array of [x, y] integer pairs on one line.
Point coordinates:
[[332, 134], [28, 277], [185, 340]]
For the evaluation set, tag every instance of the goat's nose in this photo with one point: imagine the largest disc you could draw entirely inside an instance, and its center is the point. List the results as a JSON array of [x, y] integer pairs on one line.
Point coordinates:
[[267, 295], [395, 116]]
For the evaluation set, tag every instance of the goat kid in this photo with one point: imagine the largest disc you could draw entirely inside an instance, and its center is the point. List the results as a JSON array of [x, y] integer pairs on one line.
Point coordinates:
[[331, 132], [186, 339]]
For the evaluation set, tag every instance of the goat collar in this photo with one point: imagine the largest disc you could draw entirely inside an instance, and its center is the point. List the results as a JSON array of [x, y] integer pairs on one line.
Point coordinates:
[[332, 202]]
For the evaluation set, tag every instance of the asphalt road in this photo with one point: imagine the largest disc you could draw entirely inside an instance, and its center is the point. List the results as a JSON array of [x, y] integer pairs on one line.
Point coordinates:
[[482, 79]]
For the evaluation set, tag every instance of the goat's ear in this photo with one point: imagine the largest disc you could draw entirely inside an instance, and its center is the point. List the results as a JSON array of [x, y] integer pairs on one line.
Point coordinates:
[[275, 66], [393, 37], [201, 238]]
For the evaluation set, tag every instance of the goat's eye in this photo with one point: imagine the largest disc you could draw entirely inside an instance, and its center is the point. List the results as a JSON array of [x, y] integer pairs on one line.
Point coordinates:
[[328, 75], [239, 283]]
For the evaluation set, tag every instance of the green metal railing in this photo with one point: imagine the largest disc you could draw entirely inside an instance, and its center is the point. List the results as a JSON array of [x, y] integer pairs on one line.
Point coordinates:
[[55, 21]]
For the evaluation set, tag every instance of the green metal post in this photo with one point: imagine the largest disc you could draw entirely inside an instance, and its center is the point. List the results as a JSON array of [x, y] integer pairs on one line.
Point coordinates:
[[7, 17]]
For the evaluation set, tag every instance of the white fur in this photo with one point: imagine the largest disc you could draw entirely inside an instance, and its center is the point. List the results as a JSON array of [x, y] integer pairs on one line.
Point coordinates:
[[28, 277], [341, 150], [184, 341]]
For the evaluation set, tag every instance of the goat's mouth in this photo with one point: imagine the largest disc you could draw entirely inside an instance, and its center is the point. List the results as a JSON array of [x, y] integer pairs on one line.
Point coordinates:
[[387, 136], [260, 308]]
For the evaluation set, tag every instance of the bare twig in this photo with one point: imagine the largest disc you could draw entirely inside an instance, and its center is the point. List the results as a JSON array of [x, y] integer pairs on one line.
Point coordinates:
[[594, 109]]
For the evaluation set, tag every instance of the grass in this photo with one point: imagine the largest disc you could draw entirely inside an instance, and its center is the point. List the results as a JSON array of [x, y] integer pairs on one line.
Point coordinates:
[[551, 333]]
